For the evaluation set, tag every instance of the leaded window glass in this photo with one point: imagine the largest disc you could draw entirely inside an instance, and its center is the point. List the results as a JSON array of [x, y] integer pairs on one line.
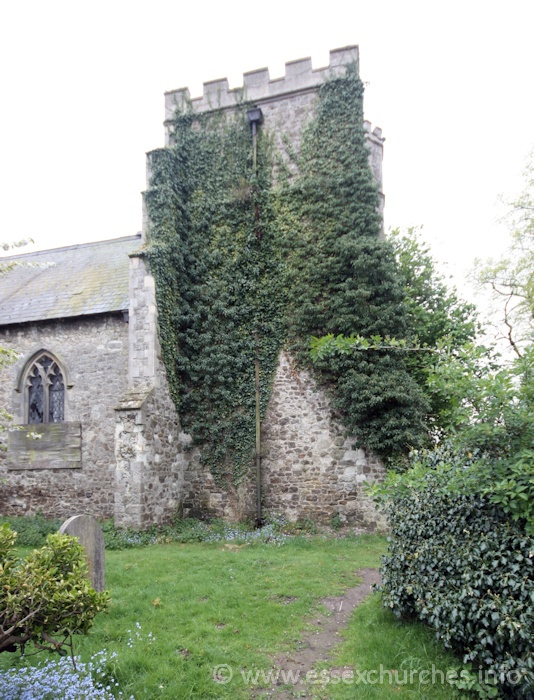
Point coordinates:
[[35, 397], [46, 391], [56, 393]]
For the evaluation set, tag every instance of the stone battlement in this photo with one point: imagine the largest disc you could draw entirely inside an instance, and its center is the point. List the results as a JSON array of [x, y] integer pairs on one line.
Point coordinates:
[[258, 87], [287, 103]]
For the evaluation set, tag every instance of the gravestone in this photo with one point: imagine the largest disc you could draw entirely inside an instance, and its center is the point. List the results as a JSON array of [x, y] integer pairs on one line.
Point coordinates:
[[89, 532]]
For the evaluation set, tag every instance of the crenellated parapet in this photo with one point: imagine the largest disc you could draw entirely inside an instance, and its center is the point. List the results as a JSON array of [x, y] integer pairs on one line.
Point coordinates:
[[287, 103], [258, 87]]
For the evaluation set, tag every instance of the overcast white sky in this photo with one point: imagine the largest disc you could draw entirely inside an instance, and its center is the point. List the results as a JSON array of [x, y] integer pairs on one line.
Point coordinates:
[[450, 83]]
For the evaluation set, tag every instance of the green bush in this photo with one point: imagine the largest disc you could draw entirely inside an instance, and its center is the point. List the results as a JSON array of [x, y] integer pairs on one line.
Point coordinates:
[[460, 564], [45, 598]]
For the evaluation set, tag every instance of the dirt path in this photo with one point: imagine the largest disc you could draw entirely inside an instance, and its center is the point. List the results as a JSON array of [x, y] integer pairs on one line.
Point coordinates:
[[317, 645]]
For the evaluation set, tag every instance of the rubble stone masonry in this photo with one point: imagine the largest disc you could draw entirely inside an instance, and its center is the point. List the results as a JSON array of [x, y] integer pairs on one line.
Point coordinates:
[[94, 355], [123, 452], [310, 468]]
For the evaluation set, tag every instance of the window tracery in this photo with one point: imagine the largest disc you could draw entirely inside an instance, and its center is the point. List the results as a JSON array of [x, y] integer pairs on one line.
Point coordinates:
[[45, 391]]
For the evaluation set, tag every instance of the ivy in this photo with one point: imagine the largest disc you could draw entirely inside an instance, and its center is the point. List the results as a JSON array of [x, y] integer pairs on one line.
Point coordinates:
[[244, 263], [215, 254], [344, 277]]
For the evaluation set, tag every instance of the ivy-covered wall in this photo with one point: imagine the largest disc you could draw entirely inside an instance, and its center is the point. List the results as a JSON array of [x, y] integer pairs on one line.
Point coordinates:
[[216, 254], [256, 252], [344, 278]]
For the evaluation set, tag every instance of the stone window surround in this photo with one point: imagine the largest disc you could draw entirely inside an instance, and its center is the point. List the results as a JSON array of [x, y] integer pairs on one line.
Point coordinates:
[[21, 388]]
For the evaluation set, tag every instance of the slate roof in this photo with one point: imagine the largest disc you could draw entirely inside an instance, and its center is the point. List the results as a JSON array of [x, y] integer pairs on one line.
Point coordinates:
[[79, 280]]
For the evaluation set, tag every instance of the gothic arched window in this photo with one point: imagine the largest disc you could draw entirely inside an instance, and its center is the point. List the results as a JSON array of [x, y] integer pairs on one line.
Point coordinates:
[[45, 390]]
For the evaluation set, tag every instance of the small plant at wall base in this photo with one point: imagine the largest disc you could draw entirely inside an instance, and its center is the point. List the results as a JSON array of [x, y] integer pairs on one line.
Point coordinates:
[[335, 522]]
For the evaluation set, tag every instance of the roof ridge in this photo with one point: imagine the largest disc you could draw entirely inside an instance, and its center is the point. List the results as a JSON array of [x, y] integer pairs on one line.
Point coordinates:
[[75, 246]]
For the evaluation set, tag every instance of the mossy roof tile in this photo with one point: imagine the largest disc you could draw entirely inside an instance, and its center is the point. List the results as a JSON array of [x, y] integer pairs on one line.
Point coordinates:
[[79, 280]]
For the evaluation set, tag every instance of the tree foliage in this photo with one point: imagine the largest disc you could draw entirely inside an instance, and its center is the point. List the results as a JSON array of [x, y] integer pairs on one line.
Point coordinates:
[[462, 515], [510, 280], [438, 319], [434, 311]]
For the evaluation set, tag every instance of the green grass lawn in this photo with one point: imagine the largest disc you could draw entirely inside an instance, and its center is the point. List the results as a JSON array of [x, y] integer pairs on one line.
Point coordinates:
[[179, 610], [375, 644]]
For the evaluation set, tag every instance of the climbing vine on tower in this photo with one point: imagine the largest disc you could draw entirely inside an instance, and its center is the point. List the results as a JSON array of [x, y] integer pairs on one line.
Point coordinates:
[[216, 256], [344, 279], [245, 262]]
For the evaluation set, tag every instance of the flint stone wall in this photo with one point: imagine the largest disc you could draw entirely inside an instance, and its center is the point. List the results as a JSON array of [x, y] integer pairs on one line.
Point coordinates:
[[149, 458], [94, 353], [309, 467], [202, 497]]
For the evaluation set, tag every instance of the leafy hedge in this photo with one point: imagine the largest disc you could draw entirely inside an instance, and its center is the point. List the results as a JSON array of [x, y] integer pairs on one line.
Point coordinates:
[[459, 563]]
